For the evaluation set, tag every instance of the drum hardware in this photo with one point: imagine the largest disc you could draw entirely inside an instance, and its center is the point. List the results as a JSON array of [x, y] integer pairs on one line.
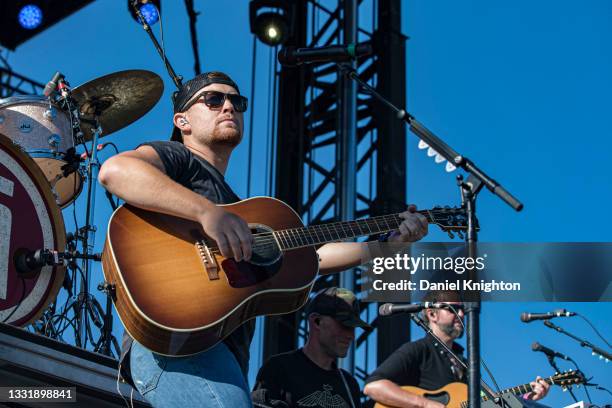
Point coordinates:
[[48, 128], [30, 261], [54, 141], [50, 113], [104, 105], [87, 304], [73, 162], [105, 340]]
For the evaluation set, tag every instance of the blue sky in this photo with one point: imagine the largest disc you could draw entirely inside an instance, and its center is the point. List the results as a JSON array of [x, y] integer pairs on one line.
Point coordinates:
[[521, 88]]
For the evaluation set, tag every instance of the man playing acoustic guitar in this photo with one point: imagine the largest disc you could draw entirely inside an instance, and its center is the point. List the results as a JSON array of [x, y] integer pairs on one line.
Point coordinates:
[[426, 364], [185, 178]]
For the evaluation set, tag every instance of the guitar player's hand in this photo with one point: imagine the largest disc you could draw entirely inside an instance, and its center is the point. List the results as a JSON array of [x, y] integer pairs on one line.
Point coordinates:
[[540, 389], [232, 233], [413, 227]]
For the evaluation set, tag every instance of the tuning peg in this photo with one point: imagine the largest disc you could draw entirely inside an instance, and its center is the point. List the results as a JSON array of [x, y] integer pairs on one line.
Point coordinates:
[[450, 234], [460, 233], [439, 159], [423, 145], [450, 167]]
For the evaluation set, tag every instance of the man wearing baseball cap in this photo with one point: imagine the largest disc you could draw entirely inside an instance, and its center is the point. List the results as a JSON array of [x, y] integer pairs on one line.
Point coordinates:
[[184, 178], [310, 376]]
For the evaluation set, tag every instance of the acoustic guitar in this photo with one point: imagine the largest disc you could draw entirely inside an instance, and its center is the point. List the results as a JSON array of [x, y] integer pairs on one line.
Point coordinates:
[[177, 295], [454, 395]]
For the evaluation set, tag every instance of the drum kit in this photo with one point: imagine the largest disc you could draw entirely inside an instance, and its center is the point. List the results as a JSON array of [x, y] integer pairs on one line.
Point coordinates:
[[41, 172]]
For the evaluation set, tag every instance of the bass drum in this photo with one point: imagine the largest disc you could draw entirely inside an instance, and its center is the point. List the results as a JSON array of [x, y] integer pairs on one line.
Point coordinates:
[[30, 219]]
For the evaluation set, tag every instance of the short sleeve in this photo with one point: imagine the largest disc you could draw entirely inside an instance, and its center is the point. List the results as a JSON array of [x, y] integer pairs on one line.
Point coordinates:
[[173, 155], [400, 367]]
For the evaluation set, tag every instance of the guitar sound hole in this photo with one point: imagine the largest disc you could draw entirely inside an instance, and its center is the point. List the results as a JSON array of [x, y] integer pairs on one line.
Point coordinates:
[[441, 397], [265, 247], [265, 261]]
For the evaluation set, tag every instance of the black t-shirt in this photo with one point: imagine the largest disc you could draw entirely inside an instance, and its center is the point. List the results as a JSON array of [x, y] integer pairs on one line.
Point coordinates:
[[422, 363], [198, 175], [293, 380]]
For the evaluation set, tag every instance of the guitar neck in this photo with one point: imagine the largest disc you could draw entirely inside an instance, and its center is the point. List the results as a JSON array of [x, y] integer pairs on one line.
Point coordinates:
[[340, 231], [521, 389]]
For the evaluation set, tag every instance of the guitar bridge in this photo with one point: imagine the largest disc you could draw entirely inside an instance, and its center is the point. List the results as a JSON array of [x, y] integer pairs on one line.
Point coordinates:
[[208, 260]]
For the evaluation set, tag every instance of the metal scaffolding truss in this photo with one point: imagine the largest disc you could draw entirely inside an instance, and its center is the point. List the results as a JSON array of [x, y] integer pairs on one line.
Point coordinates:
[[310, 130], [11, 83]]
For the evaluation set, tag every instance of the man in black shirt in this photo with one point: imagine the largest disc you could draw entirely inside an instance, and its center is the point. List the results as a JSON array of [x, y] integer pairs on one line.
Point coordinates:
[[185, 178], [309, 377], [426, 364]]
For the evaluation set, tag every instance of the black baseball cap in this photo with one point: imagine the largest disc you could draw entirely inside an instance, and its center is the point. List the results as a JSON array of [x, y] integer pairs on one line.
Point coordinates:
[[181, 99], [339, 303]]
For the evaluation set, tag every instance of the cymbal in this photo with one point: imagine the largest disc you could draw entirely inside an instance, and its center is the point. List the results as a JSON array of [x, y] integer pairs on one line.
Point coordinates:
[[117, 99]]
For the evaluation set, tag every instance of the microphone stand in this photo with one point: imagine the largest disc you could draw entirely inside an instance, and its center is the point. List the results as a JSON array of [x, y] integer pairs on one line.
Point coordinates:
[[486, 389], [583, 343], [551, 361], [177, 79], [469, 192]]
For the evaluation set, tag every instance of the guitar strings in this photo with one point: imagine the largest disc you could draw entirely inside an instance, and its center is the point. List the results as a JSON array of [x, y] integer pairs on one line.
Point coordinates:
[[292, 235]]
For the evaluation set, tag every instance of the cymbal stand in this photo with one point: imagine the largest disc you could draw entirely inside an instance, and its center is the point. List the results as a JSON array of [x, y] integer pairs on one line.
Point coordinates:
[[106, 327], [86, 306]]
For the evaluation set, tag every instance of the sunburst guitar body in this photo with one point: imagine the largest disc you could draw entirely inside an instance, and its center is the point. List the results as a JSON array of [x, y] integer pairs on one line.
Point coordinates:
[[177, 295]]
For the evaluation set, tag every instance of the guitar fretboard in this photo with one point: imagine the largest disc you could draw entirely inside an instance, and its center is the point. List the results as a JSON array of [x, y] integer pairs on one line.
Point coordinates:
[[340, 231], [518, 390]]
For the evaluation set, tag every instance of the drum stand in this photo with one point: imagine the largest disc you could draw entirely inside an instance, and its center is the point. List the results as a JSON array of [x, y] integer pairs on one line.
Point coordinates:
[[85, 305]]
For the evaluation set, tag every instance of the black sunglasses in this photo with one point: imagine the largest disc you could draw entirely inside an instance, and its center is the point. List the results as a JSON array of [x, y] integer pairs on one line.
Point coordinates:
[[216, 99], [457, 308]]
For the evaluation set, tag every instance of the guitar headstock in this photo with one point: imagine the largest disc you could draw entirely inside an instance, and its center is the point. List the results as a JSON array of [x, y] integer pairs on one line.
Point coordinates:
[[568, 378], [450, 220]]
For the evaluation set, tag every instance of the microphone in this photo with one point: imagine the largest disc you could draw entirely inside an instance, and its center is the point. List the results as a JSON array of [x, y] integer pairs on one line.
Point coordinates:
[[63, 87], [333, 53], [52, 84], [529, 317], [549, 352], [31, 261], [27, 261], [389, 309]]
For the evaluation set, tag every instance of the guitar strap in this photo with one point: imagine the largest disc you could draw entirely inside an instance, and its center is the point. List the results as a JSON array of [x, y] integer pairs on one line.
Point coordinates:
[[455, 367], [346, 387]]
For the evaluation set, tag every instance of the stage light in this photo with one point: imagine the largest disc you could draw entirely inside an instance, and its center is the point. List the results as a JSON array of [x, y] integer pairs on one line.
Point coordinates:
[[270, 20], [21, 20], [272, 33], [271, 28], [150, 10], [30, 17]]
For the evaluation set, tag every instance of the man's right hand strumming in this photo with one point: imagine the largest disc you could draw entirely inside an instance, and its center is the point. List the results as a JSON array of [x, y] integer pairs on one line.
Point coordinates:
[[232, 233], [388, 393]]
